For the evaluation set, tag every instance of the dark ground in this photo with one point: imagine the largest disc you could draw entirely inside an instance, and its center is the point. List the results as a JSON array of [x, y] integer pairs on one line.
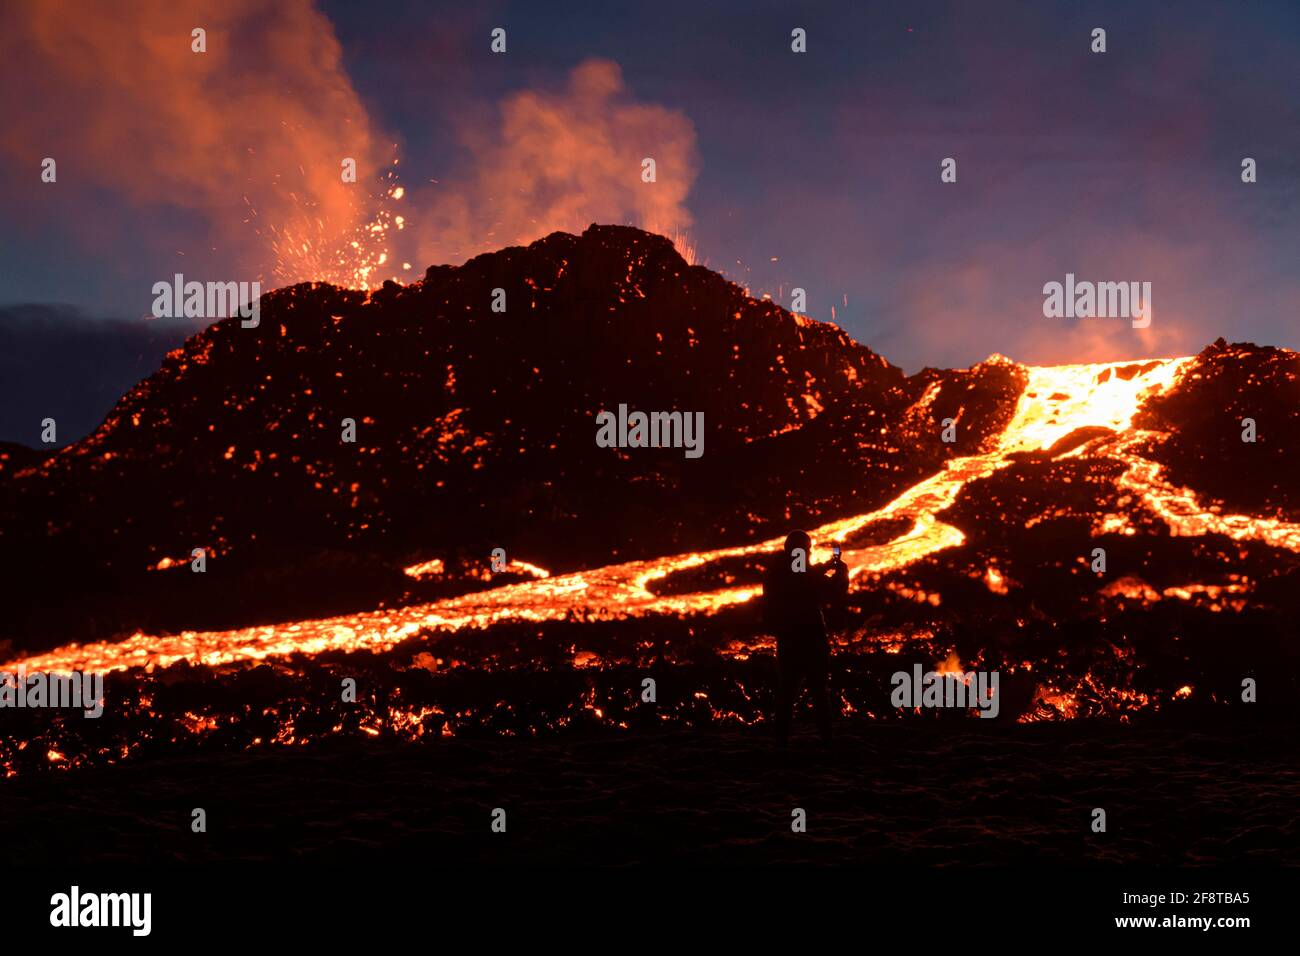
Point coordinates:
[[933, 792]]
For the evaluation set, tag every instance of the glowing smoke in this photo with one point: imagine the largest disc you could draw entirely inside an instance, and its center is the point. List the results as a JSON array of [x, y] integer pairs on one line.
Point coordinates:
[[561, 160], [261, 121], [234, 154]]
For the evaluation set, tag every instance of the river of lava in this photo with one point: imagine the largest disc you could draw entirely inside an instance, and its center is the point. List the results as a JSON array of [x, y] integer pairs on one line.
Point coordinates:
[[1056, 401]]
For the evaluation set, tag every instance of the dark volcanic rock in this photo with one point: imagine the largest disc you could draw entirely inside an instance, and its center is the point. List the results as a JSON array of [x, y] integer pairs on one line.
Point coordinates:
[[15, 457], [1204, 414], [474, 429]]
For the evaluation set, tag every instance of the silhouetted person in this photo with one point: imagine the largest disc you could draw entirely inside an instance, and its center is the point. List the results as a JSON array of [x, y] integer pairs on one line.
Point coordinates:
[[792, 611]]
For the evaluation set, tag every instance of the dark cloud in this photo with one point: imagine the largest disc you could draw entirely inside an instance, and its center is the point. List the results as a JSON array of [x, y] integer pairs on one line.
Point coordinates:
[[57, 362]]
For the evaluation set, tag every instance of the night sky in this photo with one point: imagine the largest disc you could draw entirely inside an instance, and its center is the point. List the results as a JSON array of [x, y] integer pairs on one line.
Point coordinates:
[[818, 170]]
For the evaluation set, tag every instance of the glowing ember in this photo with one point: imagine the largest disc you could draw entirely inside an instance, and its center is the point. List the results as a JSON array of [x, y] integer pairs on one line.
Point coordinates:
[[994, 580], [425, 569], [309, 248], [951, 666]]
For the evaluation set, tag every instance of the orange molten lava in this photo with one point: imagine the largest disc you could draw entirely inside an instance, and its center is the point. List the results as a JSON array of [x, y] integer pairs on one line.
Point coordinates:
[[1056, 401]]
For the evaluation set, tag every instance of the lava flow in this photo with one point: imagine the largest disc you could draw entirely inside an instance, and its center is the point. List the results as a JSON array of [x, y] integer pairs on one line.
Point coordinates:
[[1055, 402]]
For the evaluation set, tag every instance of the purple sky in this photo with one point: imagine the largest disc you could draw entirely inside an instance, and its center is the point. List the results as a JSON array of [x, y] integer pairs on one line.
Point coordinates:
[[817, 170]]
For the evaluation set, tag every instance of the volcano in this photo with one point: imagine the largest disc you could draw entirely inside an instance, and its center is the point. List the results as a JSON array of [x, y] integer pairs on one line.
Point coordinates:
[[1119, 539], [474, 430]]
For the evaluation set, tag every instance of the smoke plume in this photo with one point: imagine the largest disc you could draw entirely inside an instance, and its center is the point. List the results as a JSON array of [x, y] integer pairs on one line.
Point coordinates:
[[249, 135], [561, 160]]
